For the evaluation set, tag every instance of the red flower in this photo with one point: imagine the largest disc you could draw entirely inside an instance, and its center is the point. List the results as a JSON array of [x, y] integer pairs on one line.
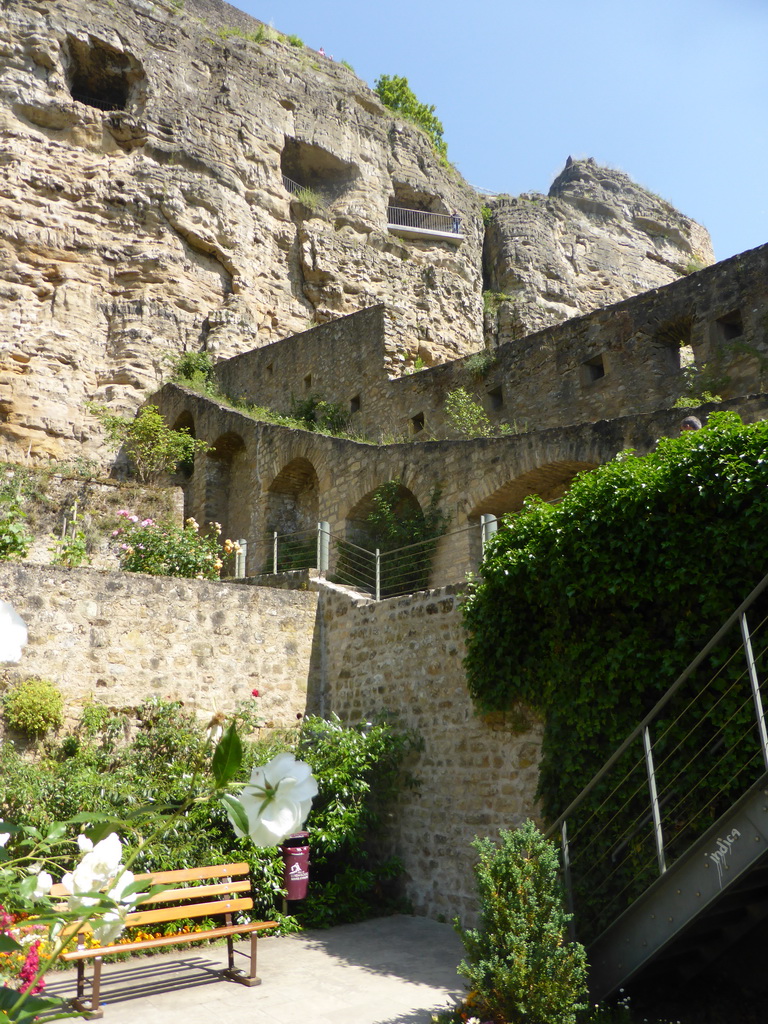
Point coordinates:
[[254, 693]]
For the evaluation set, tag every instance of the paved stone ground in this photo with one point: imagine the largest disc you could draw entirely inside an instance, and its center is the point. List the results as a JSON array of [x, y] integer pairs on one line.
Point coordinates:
[[392, 970]]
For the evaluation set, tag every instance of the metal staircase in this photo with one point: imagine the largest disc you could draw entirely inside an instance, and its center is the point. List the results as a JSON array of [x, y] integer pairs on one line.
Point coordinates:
[[665, 852]]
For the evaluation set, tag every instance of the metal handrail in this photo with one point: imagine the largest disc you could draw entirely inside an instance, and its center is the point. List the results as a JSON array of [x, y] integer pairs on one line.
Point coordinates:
[[669, 791], [423, 220], [291, 186], [659, 706]]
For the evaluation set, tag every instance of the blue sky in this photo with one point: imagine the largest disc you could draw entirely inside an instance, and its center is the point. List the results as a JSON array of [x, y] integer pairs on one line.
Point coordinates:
[[673, 92]]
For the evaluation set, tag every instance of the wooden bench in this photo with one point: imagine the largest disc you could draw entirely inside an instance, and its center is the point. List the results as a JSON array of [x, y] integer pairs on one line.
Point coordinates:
[[192, 896]]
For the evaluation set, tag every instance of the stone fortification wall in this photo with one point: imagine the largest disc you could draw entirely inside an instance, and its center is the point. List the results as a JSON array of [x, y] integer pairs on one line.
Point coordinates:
[[120, 638], [144, 211], [620, 360], [403, 657], [595, 239]]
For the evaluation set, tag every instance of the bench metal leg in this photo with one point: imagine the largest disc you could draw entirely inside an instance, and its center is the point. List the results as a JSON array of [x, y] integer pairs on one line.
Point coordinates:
[[92, 1010], [234, 973]]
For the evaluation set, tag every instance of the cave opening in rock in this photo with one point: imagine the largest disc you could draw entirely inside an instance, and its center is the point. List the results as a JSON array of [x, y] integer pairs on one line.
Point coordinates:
[[313, 168], [100, 76]]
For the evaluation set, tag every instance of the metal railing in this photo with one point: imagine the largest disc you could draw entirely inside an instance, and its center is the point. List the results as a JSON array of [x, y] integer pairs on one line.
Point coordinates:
[[381, 574], [688, 761], [422, 220], [291, 186]]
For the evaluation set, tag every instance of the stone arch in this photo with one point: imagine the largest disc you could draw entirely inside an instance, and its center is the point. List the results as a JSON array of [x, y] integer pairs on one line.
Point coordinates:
[[549, 481], [359, 531], [101, 76], [292, 511], [293, 498], [228, 486]]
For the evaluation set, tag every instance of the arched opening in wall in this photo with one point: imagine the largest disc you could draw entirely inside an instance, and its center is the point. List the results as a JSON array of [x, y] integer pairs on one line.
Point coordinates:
[[390, 519], [101, 76], [310, 170], [293, 502], [549, 482], [185, 424], [228, 489]]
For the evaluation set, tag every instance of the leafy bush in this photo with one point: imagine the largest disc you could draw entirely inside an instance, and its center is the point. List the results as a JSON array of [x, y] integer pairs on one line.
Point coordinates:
[[311, 199], [358, 771], [34, 707], [395, 93], [314, 413], [15, 538], [519, 964], [148, 441], [195, 370], [588, 610], [165, 549]]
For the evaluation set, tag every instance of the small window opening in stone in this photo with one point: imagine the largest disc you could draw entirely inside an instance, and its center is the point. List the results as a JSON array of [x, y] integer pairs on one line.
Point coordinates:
[[270, 369], [100, 76], [593, 369], [308, 382], [496, 398], [731, 325], [354, 404], [417, 422]]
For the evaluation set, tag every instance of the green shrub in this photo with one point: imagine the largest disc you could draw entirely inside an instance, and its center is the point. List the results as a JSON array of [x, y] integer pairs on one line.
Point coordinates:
[[359, 773], [15, 538], [486, 213], [194, 370], [34, 707], [395, 93], [311, 199], [317, 414], [165, 549], [518, 962], [147, 440], [295, 41]]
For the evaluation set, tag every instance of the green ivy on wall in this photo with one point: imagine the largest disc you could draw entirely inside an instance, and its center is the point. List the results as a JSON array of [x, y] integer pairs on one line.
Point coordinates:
[[588, 610]]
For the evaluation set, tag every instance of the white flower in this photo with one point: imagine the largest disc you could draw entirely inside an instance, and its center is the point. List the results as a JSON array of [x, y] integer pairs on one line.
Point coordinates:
[[4, 837], [13, 633], [277, 800], [110, 925], [99, 866], [43, 887]]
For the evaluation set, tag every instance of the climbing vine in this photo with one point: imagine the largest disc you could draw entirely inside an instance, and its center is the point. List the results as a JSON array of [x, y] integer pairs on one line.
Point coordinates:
[[588, 610]]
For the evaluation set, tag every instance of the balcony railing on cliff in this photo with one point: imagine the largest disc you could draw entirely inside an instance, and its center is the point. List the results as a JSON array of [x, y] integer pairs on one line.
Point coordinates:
[[424, 224]]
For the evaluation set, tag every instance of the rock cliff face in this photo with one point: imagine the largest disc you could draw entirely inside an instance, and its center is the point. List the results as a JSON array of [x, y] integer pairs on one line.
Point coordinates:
[[597, 238], [143, 209], [151, 154]]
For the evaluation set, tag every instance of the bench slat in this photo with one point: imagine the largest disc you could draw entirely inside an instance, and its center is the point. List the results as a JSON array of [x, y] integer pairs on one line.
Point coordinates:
[[193, 874], [140, 917], [169, 940], [194, 892]]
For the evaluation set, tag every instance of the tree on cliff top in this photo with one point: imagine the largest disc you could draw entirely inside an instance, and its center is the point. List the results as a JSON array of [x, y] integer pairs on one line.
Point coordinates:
[[395, 93], [588, 610]]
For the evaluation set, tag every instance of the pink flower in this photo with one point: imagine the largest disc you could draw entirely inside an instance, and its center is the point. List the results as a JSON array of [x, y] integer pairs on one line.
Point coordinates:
[[254, 693], [148, 522], [116, 533], [124, 513], [134, 519]]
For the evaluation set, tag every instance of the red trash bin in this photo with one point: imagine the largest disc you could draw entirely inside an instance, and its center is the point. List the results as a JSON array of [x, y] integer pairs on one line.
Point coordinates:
[[295, 851]]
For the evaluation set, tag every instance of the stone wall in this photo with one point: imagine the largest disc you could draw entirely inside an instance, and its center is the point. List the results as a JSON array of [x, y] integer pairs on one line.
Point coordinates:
[[621, 360], [121, 638], [403, 657]]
